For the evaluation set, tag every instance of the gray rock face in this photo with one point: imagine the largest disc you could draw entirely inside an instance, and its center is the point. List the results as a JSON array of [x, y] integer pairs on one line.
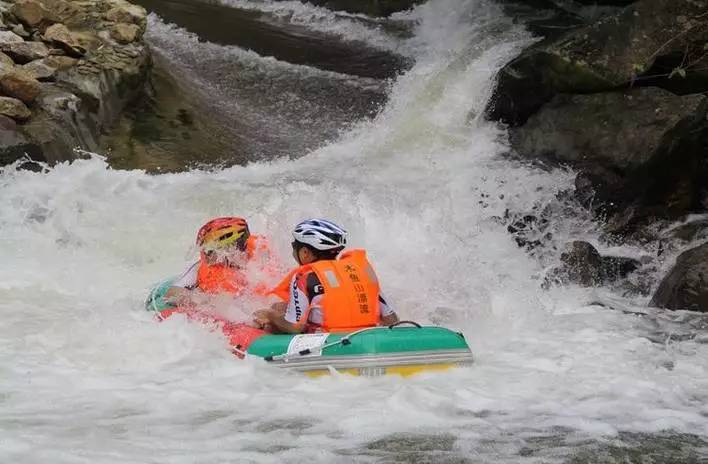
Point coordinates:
[[641, 154], [40, 70], [24, 52], [686, 285], [613, 52], [10, 37], [620, 131], [77, 98]]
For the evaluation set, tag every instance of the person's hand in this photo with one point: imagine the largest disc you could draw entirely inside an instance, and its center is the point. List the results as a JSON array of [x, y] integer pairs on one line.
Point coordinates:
[[261, 319]]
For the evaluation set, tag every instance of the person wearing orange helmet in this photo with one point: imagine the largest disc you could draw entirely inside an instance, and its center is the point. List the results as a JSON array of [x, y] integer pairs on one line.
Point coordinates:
[[331, 291], [226, 246]]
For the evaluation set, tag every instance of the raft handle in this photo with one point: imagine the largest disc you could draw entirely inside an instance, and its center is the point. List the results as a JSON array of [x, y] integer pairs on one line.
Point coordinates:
[[405, 322]]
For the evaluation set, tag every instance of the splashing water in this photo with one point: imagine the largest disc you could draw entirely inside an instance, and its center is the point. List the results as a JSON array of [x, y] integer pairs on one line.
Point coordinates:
[[87, 376]]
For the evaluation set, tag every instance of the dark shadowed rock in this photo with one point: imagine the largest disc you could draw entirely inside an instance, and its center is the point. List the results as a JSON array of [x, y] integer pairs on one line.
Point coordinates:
[[583, 265], [686, 285], [690, 231], [616, 130], [608, 54], [645, 148], [14, 145]]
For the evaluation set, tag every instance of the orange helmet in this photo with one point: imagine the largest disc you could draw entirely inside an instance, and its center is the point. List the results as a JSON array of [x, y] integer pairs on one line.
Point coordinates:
[[221, 233]]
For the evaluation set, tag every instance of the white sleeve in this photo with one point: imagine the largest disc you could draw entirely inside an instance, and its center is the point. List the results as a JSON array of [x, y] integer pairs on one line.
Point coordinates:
[[384, 308], [188, 279], [298, 302]]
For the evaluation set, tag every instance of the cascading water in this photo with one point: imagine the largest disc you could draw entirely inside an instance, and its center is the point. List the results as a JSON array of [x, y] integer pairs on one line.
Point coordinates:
[[86, 375]]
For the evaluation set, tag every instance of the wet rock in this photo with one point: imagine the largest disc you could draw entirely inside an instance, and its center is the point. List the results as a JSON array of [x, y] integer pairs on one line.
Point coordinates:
[[690, 231], [686, 285], [611, 53], [14, 145], [40, 70], [21, 85], [644, 148], [620, 130], [13, 108], [126, 33], [24, 52], [59, 35], [583, 265]]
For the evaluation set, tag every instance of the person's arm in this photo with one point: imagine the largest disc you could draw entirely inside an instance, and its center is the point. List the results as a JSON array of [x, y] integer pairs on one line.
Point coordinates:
[[179, 296], [294, 319], [184, 287], [388, 315]]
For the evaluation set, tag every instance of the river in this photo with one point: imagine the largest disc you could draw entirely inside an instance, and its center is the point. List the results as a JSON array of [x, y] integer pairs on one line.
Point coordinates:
[[563, 374]]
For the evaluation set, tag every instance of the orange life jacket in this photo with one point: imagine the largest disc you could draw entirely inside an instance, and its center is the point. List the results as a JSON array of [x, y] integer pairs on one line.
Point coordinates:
[[351, 292], [217, 278], [282, 290]]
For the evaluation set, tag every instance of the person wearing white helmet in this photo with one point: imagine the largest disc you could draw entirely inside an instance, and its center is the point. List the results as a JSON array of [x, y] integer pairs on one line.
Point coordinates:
[[331, 291]]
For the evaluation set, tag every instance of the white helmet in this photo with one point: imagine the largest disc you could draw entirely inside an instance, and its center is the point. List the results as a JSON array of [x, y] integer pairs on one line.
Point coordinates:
[[320, 234]]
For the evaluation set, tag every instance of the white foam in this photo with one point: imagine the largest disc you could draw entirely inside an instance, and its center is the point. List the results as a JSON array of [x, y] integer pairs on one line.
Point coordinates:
[[87, 376], [346, 26]]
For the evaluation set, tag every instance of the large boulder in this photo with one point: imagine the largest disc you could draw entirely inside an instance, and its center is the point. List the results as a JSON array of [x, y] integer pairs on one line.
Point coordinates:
[[645, 148], [686, 285], [615, 51], [20, 84]]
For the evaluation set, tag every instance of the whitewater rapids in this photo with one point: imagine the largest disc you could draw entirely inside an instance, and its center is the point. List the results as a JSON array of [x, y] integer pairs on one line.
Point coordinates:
[[87, 376]]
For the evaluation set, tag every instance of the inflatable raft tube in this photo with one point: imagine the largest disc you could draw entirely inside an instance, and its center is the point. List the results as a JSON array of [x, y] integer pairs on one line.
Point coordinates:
[[404, 348]]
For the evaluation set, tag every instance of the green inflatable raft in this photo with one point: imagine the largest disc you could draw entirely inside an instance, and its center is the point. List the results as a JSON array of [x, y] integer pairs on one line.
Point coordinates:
[[404, 348]]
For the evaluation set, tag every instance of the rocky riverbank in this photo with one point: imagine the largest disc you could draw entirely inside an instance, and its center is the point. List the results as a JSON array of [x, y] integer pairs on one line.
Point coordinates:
[[68, 68], [619, 96]]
